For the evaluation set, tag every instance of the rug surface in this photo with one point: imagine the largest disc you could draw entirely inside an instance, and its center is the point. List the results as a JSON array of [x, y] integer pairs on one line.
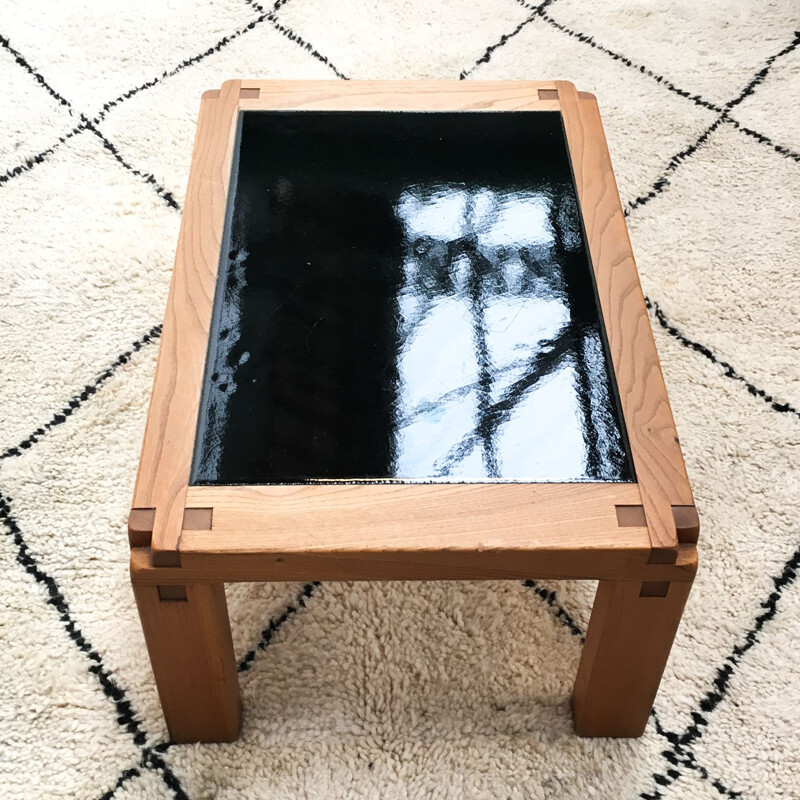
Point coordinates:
[[387, 690]]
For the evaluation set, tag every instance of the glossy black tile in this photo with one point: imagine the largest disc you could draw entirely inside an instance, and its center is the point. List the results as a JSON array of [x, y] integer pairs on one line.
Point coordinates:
[[406, 296]]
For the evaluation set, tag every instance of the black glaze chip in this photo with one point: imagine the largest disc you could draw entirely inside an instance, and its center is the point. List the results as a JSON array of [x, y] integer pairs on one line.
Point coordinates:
[[406, 296]]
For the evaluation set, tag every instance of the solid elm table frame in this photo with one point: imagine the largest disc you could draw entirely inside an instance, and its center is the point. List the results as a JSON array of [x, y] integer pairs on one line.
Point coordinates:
[[638, 538]]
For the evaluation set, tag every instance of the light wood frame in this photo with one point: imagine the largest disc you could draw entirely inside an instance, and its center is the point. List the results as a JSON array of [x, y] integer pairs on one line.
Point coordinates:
[[637, 538]]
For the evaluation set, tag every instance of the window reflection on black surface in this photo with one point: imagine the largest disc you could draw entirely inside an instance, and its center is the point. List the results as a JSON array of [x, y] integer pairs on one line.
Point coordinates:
[[406, 296]]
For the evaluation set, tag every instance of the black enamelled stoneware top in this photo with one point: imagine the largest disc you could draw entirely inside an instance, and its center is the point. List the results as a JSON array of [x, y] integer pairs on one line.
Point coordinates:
[[406, 296]]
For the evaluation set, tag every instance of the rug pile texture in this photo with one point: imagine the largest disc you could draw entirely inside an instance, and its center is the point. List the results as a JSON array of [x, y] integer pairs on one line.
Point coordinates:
[[394, 690]]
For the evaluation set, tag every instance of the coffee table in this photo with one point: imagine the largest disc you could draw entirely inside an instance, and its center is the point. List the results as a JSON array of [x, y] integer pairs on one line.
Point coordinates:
[[406, 339]]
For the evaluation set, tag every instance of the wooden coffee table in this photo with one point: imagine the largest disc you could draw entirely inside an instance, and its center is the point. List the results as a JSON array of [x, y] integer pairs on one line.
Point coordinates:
[[405, 339]]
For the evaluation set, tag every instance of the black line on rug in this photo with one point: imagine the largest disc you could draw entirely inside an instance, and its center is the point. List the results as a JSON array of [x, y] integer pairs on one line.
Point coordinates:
[[307, 46], [679, 158], [559, 612], [125, 776], [85, 124], [151, 756], [724, 674], [490, 50], [682, 757], [691, 762], [126, 717], [41, 157], [275, 625], [761, 75], [680, 752], [728, 370], [696, 98], [151, 760], [536, 11], [38, 77], [778, 148], [670, 775], [718, 785], [670, 736], [215, 48], [665, 82], [189, 62], [662, 781], [663, 180], [685, 758], [147, 177], [75, 402], [257, 7]]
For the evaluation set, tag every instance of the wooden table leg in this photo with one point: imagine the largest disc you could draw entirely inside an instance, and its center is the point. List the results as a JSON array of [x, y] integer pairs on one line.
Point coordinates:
[[627, 645], [189, 640]]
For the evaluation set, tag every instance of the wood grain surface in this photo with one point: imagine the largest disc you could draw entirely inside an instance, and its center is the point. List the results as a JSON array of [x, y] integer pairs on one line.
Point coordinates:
[[186, 541], [627, 645], [202, 563], [427, 95], [422, 516], [263, 519], [191, 651], [657, 457], [166, 456]]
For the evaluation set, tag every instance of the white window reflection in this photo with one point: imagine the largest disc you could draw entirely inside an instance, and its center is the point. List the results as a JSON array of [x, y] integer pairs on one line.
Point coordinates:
[[494, 378]]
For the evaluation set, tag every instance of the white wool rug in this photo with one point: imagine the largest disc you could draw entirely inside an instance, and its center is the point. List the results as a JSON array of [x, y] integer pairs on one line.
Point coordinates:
[[394, 690]]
